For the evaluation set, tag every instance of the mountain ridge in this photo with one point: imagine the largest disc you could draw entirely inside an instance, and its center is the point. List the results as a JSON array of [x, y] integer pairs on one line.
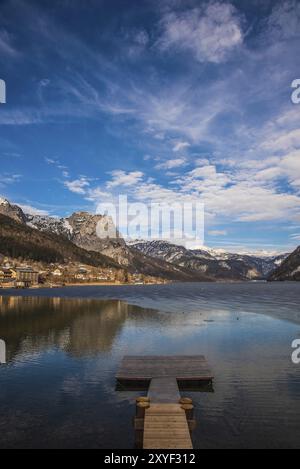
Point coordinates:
[[20, 241], [80, 231], [214, 263], [289, 270], [155, 258]]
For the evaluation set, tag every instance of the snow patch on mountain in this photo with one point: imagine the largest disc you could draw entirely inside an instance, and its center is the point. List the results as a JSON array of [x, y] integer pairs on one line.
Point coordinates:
[[3, 201], [58, 226]]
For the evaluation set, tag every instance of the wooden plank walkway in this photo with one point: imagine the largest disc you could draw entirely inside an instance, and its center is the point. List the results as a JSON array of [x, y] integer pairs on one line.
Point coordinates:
[[165, 423], [182, 368], [166, 427], [163, 390]]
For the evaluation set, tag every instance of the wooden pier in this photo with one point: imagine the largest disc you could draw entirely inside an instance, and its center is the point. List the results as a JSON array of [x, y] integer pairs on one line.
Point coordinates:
[[163, 419]]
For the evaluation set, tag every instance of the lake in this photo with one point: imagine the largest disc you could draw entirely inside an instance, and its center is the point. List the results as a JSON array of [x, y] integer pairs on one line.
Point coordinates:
[[64, 346]]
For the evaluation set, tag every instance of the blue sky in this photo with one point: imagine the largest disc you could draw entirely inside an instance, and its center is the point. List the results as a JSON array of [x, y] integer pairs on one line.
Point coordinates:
[[167, 100]]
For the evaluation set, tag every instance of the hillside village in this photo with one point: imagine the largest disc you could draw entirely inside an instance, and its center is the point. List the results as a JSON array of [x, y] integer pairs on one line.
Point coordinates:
[[17, 274]]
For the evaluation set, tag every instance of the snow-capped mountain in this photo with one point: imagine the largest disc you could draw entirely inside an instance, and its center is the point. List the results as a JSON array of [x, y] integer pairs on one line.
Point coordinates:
[[90, 232], [264, 265], [82, 228], [12, 211], [58, 226], [216, 263]]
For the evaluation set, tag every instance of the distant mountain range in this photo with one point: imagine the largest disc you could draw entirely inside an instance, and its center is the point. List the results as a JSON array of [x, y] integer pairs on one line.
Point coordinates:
[[154, 258], [213, 263]]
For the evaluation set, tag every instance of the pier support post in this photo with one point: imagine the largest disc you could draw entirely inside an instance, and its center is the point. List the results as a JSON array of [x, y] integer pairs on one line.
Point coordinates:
[[189, 411], [141, 407], [142, 404]]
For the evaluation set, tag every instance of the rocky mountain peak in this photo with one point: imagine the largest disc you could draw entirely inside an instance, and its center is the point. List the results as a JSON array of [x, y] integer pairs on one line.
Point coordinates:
[[98, 228], [12, 211], [4, 201]]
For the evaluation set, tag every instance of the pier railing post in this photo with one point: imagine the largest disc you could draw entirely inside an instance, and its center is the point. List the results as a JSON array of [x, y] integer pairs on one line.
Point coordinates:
[[141, 408], [142, 404], [187, 405]]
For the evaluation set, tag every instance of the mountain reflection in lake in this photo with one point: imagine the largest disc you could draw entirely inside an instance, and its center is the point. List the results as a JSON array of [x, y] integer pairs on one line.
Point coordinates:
[[58, 386], [80, 328]]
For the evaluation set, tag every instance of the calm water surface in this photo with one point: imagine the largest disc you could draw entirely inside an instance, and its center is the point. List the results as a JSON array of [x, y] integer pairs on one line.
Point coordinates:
[[58, 388]]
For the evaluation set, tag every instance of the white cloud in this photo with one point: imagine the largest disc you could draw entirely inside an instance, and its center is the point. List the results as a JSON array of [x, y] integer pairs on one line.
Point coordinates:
[[290, 166], [266, 172], [204, 179], [181, 146], [202, 162], [57, 164], [121, 178], [78, 186], [135, 43], [217, 233], [291, 116], [28, 209], [8, 178], [284, 142], [171, 164], [284, 22], [215, 116], [210, 32], [97, 194], [51, 161], [232, 197]]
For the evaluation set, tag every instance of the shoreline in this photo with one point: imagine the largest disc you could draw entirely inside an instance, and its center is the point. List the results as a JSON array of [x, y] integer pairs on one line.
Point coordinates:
[[92, 284]]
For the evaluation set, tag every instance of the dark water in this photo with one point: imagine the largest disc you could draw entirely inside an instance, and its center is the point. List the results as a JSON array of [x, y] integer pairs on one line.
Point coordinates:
[[58, 388]]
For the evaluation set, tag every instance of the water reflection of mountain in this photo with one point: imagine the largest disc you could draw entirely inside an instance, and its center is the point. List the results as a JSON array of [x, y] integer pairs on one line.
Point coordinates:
[[79, 327]]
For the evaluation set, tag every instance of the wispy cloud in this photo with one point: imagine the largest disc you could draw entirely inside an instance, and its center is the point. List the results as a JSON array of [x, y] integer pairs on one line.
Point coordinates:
[[284, 22], [9, 178], [57, 164], [209, 32], [193, 97], [6, 44], [218, 233], [121, 178], [181, 146], [78, 186], [172, 164], [28, 209]]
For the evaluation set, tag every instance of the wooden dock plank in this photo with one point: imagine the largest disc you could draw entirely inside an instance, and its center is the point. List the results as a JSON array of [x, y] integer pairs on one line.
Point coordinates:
[[182, 368], [166, 427], [163, 390]]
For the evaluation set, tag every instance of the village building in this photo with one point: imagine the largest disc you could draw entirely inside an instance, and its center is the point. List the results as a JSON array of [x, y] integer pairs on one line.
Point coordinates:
[[80, 277], [26, 276], [103, 278], [7, 275], [57, 273]]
